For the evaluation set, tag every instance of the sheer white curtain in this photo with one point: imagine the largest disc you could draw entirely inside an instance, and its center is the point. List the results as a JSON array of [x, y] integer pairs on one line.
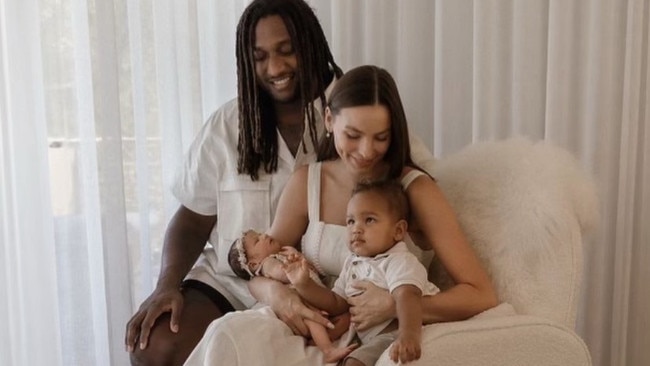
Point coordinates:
[[100, 99]]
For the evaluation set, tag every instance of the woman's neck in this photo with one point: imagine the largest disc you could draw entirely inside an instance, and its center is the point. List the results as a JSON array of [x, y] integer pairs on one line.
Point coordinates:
[[378, 173]]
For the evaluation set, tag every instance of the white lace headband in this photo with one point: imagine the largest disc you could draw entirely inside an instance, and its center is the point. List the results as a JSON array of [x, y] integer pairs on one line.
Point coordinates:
[[241, 255]]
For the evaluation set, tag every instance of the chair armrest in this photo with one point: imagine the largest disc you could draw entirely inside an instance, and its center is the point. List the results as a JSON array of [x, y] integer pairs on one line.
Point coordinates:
[[503, 341]]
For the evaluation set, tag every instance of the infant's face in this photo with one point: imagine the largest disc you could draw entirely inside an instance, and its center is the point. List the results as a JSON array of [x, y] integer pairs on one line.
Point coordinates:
[[372, 229], [258, 246]]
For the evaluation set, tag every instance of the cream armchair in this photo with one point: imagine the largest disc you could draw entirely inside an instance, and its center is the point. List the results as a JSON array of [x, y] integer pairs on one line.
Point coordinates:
[[526, 208]]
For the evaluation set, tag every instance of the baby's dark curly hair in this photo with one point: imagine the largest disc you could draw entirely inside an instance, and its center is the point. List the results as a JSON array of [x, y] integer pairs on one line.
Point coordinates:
[[391, 190]]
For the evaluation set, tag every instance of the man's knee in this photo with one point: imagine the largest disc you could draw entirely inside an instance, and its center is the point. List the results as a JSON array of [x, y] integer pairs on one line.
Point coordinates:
[[164, 350]]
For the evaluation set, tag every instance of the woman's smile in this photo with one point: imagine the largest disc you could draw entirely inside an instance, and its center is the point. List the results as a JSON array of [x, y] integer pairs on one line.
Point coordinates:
[[362, 136]]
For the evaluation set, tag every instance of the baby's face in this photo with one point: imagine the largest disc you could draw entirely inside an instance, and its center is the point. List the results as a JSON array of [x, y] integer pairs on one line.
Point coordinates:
[[372, 228], [258, 247]]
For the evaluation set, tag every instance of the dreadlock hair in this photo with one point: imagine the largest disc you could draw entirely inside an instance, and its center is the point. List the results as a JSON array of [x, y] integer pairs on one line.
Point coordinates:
[[368, 86], [257, 142], [391, 191]]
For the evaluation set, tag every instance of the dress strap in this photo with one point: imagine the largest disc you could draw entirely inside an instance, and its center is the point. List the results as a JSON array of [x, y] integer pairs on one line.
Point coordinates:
[[410, 177], [313, 192]]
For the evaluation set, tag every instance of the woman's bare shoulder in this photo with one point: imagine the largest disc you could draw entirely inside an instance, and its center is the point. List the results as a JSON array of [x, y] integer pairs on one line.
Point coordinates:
[[300, 174], [412, 175], [329, 170]]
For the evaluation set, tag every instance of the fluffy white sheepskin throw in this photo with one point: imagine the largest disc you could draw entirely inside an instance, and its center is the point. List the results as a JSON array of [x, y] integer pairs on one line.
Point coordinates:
[[525, 208]]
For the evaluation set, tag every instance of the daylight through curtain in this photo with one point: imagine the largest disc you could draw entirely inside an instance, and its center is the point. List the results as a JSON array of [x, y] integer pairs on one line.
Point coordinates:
[[100, 100]]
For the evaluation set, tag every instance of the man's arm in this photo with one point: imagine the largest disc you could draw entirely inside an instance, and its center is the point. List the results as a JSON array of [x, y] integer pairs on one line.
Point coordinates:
[[185, 238]]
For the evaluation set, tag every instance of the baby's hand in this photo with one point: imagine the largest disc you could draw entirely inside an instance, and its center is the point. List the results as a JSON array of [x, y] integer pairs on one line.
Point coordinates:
[[289, 251], [297, 270], [405, 349]]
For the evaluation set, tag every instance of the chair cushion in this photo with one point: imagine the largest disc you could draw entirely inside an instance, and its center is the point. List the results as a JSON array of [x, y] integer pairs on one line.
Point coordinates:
[[499, 339], [524, 207]]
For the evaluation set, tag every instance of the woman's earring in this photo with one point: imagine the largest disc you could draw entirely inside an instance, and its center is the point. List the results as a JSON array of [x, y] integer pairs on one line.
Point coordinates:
[[328, 134]]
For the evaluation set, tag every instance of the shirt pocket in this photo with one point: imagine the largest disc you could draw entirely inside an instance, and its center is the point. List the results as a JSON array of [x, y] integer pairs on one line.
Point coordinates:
[[243, 205]]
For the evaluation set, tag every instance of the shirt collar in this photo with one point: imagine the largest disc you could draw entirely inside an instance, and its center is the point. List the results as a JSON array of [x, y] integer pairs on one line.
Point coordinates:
[[399, 247]]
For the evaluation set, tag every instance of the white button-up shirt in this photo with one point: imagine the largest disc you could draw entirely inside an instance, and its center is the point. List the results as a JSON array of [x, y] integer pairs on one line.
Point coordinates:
[[209, 184], [389, 270]]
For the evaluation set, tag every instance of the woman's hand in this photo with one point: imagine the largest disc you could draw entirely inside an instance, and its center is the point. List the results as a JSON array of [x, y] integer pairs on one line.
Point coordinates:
[[341, 325], [160, 301], [372, 306]]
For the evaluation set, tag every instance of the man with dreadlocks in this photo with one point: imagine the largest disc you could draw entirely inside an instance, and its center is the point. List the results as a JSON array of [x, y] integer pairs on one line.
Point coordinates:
[[233, 175]]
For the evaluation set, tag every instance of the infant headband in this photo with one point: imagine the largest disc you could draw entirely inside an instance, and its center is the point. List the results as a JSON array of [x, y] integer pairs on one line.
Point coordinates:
[[241, 256]]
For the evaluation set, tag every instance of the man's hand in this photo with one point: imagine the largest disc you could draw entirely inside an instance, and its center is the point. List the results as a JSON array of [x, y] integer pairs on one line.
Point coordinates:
[[159, 302]]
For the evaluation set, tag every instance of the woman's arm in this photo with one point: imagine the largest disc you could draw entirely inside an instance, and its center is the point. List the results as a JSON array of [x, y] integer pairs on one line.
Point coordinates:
[[473, 291], [291, 216], [286, 304], [289, 224]]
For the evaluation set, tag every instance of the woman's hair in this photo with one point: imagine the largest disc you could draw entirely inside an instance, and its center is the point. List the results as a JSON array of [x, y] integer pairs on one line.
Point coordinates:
[[258, 143], [391, 191], [367, 86]]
